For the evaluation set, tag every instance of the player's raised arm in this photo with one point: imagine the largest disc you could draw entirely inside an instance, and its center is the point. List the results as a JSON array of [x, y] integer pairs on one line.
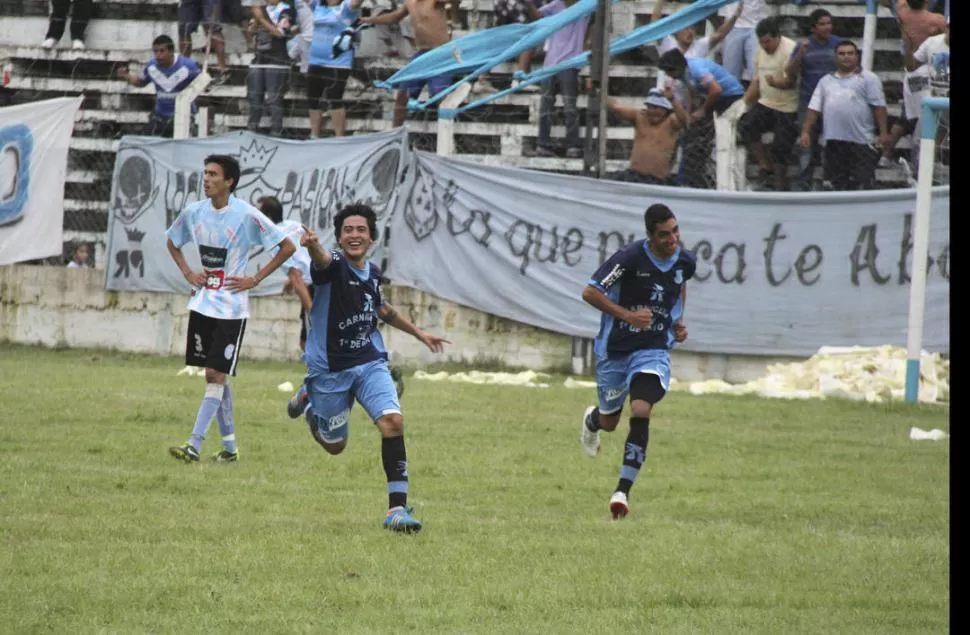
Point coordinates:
[[401, 323], [320, 256]]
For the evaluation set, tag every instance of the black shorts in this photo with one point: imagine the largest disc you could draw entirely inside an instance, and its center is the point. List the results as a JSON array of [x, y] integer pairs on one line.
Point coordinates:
[[850, 166], [213, 343], [211, 14], [783, 125], [325, 87], [305, 318]]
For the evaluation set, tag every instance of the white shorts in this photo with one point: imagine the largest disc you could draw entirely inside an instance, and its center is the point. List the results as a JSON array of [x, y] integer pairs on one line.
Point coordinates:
[[916, 85]]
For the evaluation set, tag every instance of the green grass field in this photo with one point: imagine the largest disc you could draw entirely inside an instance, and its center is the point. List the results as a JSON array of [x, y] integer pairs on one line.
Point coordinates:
[[750, 516]]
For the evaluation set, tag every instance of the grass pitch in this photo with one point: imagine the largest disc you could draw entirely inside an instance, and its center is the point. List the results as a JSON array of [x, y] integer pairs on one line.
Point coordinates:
[[750, 516]]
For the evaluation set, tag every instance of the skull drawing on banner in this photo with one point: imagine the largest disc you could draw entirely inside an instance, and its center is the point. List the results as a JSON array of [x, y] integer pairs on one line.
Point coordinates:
[[377, 176], [135, 188], [421, 209]]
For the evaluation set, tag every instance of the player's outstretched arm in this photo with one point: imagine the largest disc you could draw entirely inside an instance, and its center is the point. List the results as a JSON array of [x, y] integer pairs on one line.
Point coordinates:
[[319, 255], [391, 316], [195, 279]]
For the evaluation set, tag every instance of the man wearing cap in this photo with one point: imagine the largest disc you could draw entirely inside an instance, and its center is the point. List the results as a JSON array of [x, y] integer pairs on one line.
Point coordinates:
[[657, 127]]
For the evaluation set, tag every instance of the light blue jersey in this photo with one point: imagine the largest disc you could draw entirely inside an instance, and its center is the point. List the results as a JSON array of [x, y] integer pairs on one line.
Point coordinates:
[[224, 238], [300, 259], [328, 23], [700, 73]]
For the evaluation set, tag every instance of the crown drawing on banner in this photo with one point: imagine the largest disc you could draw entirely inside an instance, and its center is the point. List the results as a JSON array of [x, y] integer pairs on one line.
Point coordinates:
[[254, 158], [134, 235]]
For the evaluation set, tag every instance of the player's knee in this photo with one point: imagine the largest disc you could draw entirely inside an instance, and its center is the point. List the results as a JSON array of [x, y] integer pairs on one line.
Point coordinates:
[[213, 376], [639, 409], [391, 425]]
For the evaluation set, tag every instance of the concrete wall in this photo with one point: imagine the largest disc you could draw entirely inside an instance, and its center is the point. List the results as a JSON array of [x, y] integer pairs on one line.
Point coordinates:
[[57, 306]]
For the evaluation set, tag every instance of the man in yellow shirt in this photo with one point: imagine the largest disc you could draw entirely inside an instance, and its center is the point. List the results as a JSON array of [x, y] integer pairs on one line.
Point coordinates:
[[772, 104]]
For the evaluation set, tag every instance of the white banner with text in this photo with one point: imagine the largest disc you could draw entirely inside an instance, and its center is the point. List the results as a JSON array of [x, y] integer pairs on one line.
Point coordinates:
[[777, 274]]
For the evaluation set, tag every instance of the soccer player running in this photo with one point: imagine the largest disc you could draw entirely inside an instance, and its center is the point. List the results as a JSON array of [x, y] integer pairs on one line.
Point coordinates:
[[345, 354], [224, 228], [641, 291]]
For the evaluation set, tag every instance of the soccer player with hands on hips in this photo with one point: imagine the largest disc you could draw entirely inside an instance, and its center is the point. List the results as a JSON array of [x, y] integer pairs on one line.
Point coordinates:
[[224, 228], [345, 354], [641, 291]]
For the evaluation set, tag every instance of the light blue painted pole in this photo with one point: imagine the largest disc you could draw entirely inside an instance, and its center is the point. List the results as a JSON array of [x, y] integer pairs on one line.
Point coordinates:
[[932, 106], [869, 34]]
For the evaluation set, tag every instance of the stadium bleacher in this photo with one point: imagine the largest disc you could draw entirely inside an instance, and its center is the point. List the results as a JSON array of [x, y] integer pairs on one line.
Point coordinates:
[[122, 30]]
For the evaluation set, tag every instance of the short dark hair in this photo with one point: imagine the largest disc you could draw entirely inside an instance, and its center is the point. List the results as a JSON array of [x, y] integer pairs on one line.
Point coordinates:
[[768, 26], [163, 40], [656, 214], [356, 209], [229, 165], [845, 43], [672, 61], [817, 15], [272, 208]]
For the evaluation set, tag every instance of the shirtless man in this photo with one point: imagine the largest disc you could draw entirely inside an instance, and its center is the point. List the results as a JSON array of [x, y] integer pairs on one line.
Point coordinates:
[[917, 24], [657, 128], [430, 31]]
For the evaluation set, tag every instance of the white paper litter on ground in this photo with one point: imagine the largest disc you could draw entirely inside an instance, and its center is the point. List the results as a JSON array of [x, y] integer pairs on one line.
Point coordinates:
[[578, 383], [874, 374], [285, 387], [527, 379], [916, 434], [191, 371]]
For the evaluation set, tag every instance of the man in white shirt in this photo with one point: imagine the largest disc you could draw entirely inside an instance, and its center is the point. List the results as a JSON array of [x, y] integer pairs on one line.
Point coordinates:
[[773, 107]]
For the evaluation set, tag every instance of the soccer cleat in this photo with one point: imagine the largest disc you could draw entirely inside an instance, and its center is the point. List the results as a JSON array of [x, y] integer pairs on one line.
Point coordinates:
[[587, 438], [298, 403], [225, 456], [398, 378], [400, 520], [49, 43], [619, 505], [185, 453]]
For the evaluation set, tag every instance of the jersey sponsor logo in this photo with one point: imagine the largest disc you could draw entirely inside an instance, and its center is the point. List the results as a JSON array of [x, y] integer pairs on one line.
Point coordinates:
[[615, 274], [213, 263], [657, 293]]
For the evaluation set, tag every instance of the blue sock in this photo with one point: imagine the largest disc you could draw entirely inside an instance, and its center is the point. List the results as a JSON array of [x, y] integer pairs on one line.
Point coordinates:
[[634, 452], [227, 423], [208, 409], [395, 460]]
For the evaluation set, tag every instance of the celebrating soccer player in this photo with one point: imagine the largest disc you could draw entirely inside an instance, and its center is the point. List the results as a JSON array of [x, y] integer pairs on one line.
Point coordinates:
[[345, 353], [641, 291]]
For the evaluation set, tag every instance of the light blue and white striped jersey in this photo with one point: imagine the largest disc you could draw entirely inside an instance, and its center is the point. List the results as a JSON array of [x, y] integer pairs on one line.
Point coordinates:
[[301, 257], [225, 238]]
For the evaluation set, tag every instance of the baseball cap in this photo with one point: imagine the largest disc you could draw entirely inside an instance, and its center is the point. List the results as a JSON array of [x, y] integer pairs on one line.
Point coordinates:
[[656, 98]]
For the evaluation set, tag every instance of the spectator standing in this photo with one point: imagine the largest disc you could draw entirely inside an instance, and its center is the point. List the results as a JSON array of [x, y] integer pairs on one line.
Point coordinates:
[[852, 106], [210, 14], [266, 82], [657, 127], [741, 44], [171, 73], [562, 45], [813, 59], [772, 104], [330, 66], [80, 16], [917, 24]]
